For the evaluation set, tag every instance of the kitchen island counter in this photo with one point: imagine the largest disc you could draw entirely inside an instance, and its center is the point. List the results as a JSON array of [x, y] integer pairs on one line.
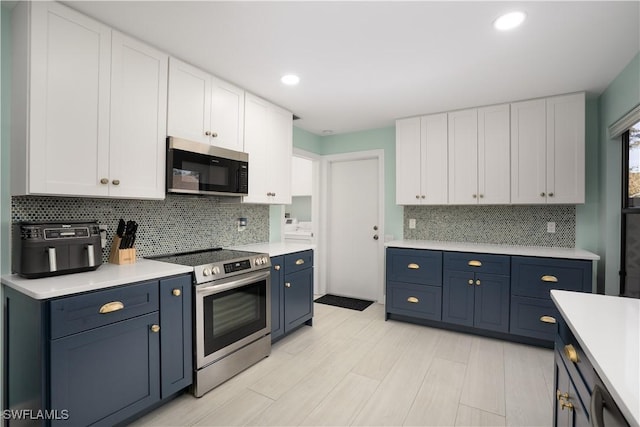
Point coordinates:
[[275, 249], [488, 248], [106, 276], [608, 330]]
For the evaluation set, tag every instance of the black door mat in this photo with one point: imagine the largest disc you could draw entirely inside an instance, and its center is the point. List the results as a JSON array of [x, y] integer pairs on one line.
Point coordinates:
[[344, 302]]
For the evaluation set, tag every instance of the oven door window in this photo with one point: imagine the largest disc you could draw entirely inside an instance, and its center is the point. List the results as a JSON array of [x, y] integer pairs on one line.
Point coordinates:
[[233, 315], [197, 172]]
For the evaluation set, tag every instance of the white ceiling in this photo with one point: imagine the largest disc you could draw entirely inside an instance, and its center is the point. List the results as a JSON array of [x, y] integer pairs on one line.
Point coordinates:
[[364, 64]]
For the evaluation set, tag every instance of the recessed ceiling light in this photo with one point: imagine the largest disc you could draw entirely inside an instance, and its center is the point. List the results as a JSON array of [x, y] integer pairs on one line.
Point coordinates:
[[509, 21], [290, 79]]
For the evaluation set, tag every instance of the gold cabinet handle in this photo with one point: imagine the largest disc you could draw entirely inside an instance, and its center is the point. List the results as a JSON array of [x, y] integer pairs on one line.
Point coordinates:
[[478, 282], [550, 279], [571, 353], [413, 266], [474, 263], [155, 328], [276, 267], [560, 395], [299, 261], [176, 292], [287, 285], [110, 307], [413, 300], [470, 281], [565, 404], [548, 319]]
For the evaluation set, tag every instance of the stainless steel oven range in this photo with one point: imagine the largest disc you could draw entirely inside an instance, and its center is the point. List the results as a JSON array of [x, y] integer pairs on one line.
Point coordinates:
[[232, 312]]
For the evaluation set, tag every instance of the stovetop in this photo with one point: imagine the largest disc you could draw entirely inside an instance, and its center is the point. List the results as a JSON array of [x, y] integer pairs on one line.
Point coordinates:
[[217, 263]]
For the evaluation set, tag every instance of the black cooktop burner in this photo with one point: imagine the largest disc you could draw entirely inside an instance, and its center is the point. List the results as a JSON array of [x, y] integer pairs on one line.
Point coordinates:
[[203, 257]]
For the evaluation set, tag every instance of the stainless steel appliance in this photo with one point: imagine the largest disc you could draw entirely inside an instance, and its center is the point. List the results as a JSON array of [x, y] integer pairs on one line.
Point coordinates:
[[196, 168], [42, 249], [232, 312]]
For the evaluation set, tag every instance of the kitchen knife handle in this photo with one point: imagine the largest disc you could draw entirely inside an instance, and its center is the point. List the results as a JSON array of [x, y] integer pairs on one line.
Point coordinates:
[[91, 256], [53, 261]]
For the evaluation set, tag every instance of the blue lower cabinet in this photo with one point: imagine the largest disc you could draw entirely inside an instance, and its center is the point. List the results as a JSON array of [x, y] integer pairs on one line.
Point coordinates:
[[104, 375], [176, 354], [277, 297], [291, 292], [476, 299], [412, 300]]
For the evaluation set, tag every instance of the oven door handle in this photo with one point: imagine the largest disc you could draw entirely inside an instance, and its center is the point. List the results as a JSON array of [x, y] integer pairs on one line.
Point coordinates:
[[232, 283]]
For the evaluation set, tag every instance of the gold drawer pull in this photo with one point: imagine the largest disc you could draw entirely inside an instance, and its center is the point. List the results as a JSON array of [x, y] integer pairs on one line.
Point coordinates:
[[571, 353], [413, 266], [548, 319], [111, 307], [413, 300], [299, 261], [561, 395], [565, 404], [551, 279], [474, 263]]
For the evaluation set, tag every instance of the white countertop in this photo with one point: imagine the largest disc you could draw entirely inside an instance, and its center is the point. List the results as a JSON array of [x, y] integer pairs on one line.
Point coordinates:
[[275, 249], [608, 330], [107, 275], [539, 251]]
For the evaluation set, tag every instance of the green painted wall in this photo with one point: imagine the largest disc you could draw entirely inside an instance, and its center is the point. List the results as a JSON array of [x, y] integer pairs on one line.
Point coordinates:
[[306, 140], [5, 134], [622, 95]]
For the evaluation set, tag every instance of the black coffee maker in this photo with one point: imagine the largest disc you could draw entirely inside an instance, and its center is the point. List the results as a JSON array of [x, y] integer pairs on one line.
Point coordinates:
[[49, 249]]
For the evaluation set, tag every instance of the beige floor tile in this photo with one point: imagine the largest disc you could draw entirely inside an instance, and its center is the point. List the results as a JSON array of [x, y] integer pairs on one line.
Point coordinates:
[[454, 346], [468, 417], [438, 399], [484, 381], [238, 411]]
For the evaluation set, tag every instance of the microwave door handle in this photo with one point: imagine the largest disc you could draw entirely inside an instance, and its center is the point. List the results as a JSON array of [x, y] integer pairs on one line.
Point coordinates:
[[91, 256], [53, 262]]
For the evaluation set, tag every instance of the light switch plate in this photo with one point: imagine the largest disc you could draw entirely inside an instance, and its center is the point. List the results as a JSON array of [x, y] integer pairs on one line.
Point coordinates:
[[551, 227], [412, 223]]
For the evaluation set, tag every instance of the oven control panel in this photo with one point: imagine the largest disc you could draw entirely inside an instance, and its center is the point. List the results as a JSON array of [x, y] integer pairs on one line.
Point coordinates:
[[232, 267]]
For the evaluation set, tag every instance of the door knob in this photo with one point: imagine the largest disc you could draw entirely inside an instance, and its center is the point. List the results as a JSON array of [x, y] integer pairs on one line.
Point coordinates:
[[375, 237]]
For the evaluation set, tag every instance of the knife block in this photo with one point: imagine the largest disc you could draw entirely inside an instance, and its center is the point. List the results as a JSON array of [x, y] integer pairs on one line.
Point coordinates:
[[121, 256]]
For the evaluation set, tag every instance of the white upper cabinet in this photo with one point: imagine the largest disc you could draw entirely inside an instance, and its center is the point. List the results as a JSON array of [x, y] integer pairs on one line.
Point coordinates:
[[547, 150], [269, 142], [463, 157], [137, 148], [88, 105], [203, 108], [421, 160], [60, 118], [494, 159]]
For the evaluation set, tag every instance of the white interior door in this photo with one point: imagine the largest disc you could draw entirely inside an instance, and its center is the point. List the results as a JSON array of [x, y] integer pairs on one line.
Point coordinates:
[[353, 214]]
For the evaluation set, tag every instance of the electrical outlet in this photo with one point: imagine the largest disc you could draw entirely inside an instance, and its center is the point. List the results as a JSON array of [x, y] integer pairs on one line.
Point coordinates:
[[412, 223], [551, 227]]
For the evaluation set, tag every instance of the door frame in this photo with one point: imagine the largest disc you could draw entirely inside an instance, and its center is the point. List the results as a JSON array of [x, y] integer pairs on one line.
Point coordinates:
[[323, 235]]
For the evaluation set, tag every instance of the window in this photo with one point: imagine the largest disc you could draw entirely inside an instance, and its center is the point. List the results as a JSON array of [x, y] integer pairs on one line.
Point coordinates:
[[630, 239]]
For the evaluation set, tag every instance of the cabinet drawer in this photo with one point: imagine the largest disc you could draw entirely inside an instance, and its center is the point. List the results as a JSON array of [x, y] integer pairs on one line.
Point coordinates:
[[414, 300], [480, 263], [534, 317], [298, 261], [419, 266], [569, 348], [82, 312], [535, 277]]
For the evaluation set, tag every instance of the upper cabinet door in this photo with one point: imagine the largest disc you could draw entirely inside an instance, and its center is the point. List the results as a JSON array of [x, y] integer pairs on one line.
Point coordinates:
[[566, 149], [69, 102], [528, 152], [494, 160], [138, 119], [434, 159], [408, 161], [280, 155], [463, 157], [227, 115], [189, 110]]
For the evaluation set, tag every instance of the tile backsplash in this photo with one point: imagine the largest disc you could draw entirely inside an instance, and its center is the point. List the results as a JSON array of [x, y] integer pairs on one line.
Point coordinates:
[[176, 224], [510, 225]]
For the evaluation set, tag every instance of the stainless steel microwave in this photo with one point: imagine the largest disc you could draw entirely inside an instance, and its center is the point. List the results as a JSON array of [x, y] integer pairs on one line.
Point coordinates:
[[197, 168]]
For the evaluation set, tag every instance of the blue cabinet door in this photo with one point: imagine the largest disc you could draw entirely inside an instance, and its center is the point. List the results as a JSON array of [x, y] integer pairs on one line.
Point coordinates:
[[298, 298], [277, 297], [491, 308], [176, 348], [458, 297], [105, 375]]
